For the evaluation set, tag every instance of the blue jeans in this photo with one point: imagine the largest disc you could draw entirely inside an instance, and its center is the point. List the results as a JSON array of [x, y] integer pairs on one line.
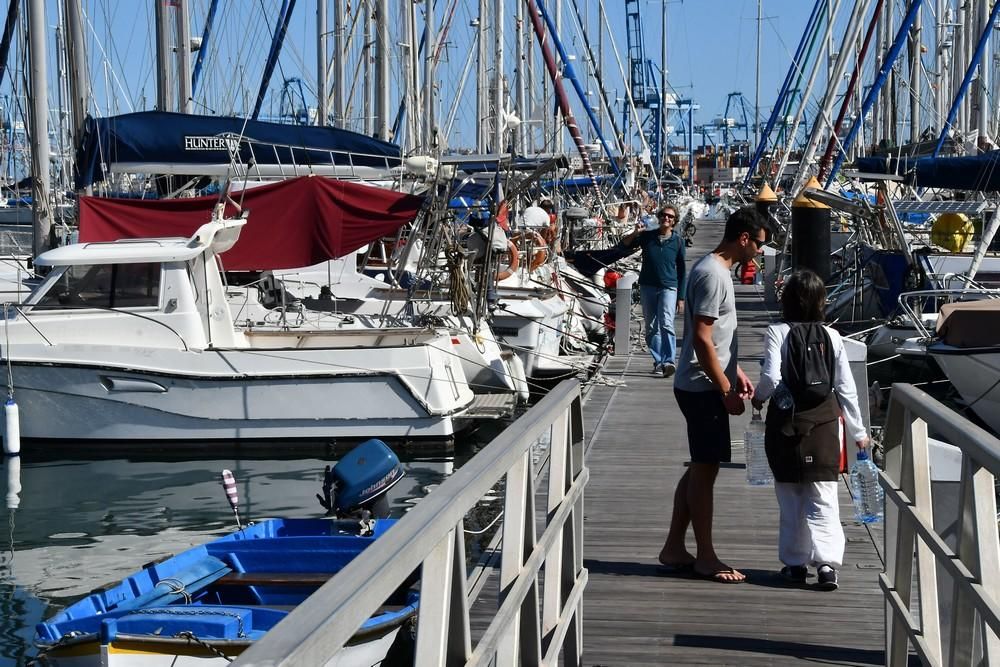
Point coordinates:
[[659, 305]]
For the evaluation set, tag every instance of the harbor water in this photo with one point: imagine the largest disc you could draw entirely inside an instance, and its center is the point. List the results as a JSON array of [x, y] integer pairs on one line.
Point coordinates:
[[83, 523]]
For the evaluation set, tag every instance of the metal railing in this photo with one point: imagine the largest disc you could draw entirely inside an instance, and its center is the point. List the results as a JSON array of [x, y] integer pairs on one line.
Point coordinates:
[[528, 627], [965, 552]]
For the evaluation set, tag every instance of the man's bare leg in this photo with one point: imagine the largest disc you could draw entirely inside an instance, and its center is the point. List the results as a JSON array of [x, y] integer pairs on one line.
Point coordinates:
[[700, 501], [674, 551]]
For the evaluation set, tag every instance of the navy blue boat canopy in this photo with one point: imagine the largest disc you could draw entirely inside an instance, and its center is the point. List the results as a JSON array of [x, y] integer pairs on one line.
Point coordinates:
[[163, 138], [975, 172]]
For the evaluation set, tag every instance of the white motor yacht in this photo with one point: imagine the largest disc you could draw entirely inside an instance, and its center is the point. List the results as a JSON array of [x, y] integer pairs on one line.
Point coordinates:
[[134, 340]]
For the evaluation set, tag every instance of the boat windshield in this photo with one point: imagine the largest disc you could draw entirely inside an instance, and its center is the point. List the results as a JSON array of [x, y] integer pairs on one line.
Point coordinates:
[[104, 286]]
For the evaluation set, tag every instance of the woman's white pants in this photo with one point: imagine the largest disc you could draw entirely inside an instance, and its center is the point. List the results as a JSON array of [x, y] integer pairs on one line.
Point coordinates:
[[809, 531]]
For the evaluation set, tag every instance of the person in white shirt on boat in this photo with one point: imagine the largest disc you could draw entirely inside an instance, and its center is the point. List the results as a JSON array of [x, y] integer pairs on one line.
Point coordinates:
[[803, 439]]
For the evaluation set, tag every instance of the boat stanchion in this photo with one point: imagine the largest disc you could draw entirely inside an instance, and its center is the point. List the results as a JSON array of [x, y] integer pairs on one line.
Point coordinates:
[[623, 312], [229, 485]]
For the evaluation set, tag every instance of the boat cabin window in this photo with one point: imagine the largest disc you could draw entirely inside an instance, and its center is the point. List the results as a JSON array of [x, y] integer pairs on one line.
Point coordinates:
[[105, 286]]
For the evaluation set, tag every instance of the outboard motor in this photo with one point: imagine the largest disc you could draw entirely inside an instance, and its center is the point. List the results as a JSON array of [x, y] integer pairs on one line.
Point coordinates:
[[357, 486]]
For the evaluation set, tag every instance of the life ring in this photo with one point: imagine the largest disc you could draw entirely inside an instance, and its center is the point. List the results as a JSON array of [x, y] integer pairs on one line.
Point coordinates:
[[515, 261], [541, 248]]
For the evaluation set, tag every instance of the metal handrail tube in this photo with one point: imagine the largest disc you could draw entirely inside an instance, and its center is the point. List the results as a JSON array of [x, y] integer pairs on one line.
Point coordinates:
[[917, 552], [322, 624], [975, 442]]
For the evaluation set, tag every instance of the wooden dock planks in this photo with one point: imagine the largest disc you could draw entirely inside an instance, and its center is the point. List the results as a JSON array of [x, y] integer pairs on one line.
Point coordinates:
[[634, 614]]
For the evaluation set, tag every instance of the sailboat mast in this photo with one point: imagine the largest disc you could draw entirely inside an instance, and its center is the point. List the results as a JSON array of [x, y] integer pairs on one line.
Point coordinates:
[[339, 46], [983, 98], [430, 53], [756, 97], [915, 79], [321, 99], [79, 90], [661, 134], [183, 56], [164, 82], [382, 56], [498, 56], [521, 72], [481, 80], [39, 117]]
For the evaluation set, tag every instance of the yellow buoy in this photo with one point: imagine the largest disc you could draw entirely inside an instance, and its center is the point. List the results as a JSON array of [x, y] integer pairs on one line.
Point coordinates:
[[952, 231]]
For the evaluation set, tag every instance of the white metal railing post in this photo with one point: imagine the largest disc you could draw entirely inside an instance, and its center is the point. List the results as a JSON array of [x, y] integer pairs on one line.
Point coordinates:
[[521, 645], [920, 478], [430, 539], [558, 457], [972, 568], [443, 638]]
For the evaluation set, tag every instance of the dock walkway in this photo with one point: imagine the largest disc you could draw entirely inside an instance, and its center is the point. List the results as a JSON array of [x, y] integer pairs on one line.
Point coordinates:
[[636, 615]]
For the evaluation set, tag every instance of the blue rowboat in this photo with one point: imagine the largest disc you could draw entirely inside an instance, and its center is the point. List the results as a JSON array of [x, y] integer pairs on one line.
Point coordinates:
[[207, 604]]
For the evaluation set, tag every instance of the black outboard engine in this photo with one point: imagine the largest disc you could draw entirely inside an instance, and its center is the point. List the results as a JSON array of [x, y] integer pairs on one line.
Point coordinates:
[[356, 487]]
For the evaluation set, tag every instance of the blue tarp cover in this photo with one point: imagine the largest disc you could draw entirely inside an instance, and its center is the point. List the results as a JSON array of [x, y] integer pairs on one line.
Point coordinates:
[[174, 138], [976, 172]]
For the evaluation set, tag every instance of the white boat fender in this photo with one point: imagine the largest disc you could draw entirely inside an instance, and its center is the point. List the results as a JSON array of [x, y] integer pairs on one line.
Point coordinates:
[[12, 428], [519, 377], [13, 465]]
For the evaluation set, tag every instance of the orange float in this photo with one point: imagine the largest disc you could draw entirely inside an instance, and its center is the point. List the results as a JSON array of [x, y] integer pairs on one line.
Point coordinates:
[[515, 261]]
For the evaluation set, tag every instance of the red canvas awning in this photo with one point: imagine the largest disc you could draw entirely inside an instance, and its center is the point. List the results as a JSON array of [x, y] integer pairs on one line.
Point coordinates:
[[293, 223]]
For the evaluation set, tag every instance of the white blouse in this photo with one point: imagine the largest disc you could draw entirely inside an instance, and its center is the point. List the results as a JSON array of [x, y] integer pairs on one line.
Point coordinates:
[[843, 381]]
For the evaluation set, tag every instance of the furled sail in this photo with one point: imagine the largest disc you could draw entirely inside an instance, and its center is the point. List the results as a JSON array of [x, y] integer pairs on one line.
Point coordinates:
[[173, 143], [975, 172]]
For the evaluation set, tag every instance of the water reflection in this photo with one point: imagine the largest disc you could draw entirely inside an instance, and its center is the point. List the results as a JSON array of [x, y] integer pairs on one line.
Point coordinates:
[[84, 523]]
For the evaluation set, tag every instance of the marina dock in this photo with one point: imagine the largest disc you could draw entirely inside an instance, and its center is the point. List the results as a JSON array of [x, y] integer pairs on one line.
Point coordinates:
[[636, 615]]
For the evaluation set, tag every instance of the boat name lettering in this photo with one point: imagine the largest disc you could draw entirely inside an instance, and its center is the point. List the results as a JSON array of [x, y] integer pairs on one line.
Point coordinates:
[[207, 143], [381, 483]]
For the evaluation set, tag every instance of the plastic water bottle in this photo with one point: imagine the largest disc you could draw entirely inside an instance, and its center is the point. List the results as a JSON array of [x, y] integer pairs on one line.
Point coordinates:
[[758, 470], [868, 495]]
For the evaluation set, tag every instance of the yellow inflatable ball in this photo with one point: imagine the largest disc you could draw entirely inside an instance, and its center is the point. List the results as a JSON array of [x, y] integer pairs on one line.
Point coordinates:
[[952, 231]]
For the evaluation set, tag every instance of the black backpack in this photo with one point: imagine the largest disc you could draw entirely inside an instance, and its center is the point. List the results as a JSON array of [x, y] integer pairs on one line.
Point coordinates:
[[808, 367]]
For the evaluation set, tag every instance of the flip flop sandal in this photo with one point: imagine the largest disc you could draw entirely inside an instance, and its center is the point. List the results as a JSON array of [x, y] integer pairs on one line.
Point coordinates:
[[717, 577]]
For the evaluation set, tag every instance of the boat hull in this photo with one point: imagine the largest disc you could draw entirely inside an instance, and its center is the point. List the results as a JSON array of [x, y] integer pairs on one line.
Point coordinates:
[[131, 394], [208, 604], [974, 373]]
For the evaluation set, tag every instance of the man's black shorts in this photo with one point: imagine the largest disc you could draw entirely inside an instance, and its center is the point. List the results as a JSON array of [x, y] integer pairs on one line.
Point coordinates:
[[707, 425]]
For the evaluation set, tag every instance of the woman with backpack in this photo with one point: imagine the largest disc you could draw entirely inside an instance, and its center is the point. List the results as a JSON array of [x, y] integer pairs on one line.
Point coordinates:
[[808, 380]]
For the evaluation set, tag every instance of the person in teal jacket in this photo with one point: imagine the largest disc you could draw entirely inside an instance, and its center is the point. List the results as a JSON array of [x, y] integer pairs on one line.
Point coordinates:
[[661, 279]]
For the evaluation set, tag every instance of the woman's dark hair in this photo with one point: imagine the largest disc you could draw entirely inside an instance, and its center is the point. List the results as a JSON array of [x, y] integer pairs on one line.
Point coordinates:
[[803, 298], [747, 219]]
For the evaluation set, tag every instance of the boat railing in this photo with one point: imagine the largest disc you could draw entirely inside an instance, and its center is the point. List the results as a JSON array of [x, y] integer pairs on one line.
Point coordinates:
[[265, 161], [941, 582], [913, 304], [531, 623]]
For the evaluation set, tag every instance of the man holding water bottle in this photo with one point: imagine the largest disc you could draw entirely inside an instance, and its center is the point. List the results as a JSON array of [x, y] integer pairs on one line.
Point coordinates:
[[709, 387]]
